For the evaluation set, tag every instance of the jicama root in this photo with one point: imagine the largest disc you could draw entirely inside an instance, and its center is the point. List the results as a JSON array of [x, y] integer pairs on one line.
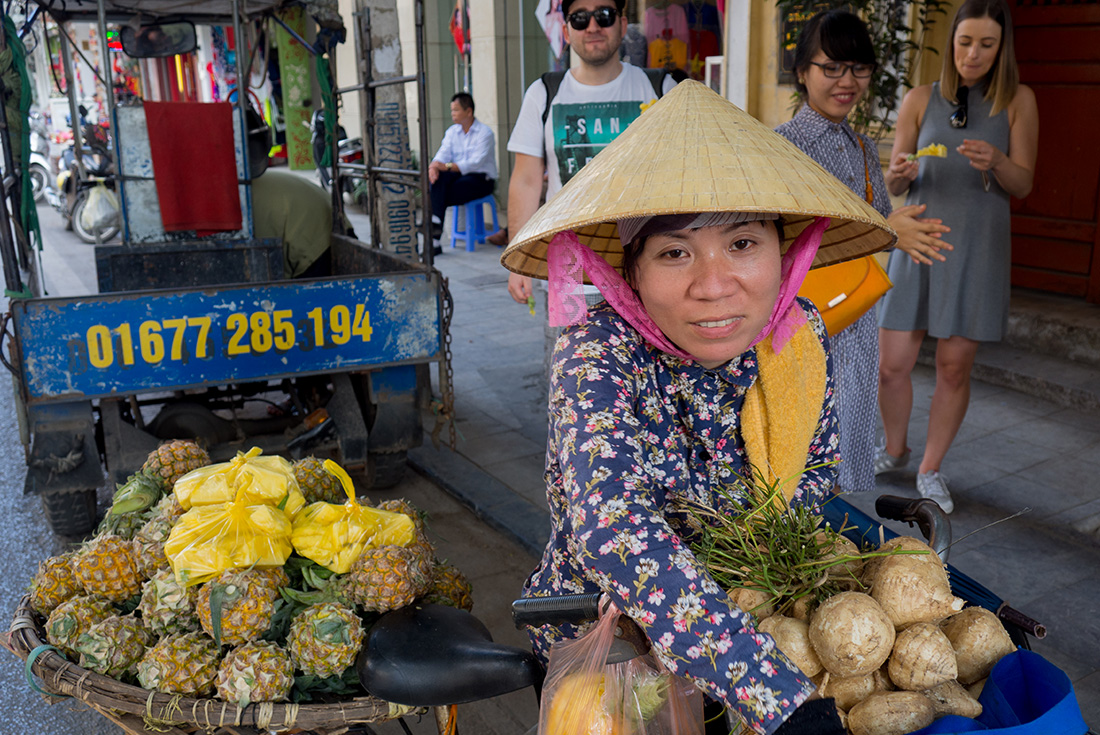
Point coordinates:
[[980, 641], [922, 658], [891, 713], [851, 634]]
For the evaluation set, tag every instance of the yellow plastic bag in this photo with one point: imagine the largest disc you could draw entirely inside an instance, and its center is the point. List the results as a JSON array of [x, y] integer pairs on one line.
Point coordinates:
[[209, 539], [267, 479], [334, 536]]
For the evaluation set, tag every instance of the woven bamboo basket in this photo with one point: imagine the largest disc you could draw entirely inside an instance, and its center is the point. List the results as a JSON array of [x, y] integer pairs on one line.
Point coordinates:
[[143, 712]]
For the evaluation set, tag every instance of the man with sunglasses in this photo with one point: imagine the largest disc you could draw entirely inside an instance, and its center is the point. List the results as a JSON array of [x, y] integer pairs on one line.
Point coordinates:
[[595, 101]]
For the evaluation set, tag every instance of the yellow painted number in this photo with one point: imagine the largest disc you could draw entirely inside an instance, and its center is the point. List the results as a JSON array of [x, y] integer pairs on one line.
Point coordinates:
[[239, 324], [260, 321], [101, 353], [283, 325], [152, 344], [361, 328]]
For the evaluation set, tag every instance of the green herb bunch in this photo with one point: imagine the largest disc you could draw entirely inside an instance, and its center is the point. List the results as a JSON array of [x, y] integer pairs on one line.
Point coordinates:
[[782, 556]]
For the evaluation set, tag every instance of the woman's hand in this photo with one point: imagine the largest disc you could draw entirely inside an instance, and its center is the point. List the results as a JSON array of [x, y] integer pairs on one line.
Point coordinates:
[[902, 170], [919, 237], [816, 716], [983, 156]]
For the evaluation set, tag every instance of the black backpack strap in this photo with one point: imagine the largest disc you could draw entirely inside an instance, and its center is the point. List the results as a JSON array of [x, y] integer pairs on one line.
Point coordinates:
[[552, 81], [657, 79]]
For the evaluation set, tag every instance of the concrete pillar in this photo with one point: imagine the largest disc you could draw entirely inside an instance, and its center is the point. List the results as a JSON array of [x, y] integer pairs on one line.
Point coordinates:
[[738, 52]]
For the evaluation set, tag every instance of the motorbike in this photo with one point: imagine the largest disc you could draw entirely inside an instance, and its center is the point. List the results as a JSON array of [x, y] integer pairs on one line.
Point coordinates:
[[39, 162], [350, 150], [74, 186]]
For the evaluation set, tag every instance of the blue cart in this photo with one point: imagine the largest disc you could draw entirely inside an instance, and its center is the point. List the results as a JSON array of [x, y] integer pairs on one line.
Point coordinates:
[[200, 336]]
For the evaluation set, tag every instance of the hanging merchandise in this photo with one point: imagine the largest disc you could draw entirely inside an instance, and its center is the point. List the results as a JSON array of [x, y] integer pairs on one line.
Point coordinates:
[[460, 27], [224, 72], [17, 105], [666, 29], [550, 18]]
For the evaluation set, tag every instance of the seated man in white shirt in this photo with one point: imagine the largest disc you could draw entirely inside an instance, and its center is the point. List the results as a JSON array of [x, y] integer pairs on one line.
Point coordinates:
[[465, 167]]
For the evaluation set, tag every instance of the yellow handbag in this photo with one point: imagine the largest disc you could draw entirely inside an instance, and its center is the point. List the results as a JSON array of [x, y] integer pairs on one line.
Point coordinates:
[[846, 291]]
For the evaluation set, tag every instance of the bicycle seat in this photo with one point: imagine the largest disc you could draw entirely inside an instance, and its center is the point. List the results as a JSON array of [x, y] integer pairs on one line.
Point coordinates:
[[434, 655]]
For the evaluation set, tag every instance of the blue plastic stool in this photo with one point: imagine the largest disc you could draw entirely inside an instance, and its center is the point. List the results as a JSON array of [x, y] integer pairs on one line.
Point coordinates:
[[475, 231]]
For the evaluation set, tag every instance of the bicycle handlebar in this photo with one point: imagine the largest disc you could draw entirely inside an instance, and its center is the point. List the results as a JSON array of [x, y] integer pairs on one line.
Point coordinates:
[[927, 514], [537, 611]]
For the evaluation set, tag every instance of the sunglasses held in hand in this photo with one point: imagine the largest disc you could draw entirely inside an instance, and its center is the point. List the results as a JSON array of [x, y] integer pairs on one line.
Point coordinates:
[[958, 117], [605, 18]]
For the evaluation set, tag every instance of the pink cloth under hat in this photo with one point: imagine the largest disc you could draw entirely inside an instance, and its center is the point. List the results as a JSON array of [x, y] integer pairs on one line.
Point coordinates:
[[568, 260]]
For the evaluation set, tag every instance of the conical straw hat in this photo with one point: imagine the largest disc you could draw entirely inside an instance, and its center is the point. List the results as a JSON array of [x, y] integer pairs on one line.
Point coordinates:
[[694, 151]]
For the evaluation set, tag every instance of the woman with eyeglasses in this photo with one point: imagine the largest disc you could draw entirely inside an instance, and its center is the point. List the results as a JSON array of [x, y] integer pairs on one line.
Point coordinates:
[[989, 123], [834, 60]]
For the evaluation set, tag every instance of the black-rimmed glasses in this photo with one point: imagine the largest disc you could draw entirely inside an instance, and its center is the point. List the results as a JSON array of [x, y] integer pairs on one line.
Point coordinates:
[[605, 18], [958, 117], [837, 69]]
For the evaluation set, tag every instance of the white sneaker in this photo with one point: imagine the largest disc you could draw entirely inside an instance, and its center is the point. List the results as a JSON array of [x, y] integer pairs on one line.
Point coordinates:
[[885, 462], [933, 485]]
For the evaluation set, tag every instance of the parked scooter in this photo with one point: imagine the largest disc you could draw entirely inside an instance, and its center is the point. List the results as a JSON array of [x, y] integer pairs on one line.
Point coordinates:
[[74, 187], [39, 162], [350, 151]]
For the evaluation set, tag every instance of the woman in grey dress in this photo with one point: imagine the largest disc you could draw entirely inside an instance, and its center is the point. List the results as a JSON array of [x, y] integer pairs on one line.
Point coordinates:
[[834, 60], [989, 123]]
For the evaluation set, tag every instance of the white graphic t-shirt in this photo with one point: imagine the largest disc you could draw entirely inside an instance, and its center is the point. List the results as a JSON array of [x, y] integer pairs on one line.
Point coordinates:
[[583, 119]]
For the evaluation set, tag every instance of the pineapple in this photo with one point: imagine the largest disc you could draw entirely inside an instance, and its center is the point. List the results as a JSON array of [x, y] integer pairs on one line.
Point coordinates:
[[318, 485], [54, 583], [400, 505], [149, 540], [172, 460], [450, 587], [255, 672], [387, 578], [325, 639], [186, 664], [246, 599], [106, 567], [125, 526], [273, 577], [72, 618], [167, 606], [141, 491], [114, 646]]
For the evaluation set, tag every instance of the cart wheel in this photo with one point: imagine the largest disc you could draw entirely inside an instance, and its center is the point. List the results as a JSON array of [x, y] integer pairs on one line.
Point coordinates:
[[70, 513], [386, 469]]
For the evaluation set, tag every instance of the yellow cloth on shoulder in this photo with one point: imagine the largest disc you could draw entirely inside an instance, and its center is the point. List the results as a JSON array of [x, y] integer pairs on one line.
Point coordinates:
[[782, 408]]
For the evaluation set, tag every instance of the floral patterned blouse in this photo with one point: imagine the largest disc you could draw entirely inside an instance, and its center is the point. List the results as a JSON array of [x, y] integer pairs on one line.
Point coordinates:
[[631, 430]]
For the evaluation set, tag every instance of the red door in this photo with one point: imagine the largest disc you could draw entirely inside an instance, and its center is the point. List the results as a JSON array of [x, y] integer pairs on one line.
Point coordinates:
[[1056, 229]]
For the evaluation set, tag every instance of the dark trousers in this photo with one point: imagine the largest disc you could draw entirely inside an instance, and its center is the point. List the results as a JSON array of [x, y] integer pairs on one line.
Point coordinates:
[[454, 188]]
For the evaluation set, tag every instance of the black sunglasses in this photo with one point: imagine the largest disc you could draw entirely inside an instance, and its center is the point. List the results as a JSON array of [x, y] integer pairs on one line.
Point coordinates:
[[605, 18], [958, 117]]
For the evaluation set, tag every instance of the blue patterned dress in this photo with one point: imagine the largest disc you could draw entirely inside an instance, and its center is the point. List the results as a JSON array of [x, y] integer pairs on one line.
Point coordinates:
[[632, 431], [835, 146]]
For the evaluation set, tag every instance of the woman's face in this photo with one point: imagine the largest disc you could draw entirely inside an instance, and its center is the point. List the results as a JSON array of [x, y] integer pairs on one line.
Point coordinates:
[[711, 290], [977, 41], [832, 98]]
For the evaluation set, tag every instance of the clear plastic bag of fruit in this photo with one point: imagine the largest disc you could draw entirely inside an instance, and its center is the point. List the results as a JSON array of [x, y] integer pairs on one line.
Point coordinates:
[[335, 536], [265, 479], [209, 539], [585, 695]]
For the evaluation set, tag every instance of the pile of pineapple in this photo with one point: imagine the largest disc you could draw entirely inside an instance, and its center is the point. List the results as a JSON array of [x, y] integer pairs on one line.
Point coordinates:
[[116, 606]]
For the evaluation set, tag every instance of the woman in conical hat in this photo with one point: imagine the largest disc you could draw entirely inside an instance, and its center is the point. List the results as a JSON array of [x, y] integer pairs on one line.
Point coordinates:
[[697, 224]]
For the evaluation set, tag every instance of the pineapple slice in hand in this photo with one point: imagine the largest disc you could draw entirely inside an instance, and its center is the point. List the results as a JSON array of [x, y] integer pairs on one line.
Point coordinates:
[[939, 150]]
